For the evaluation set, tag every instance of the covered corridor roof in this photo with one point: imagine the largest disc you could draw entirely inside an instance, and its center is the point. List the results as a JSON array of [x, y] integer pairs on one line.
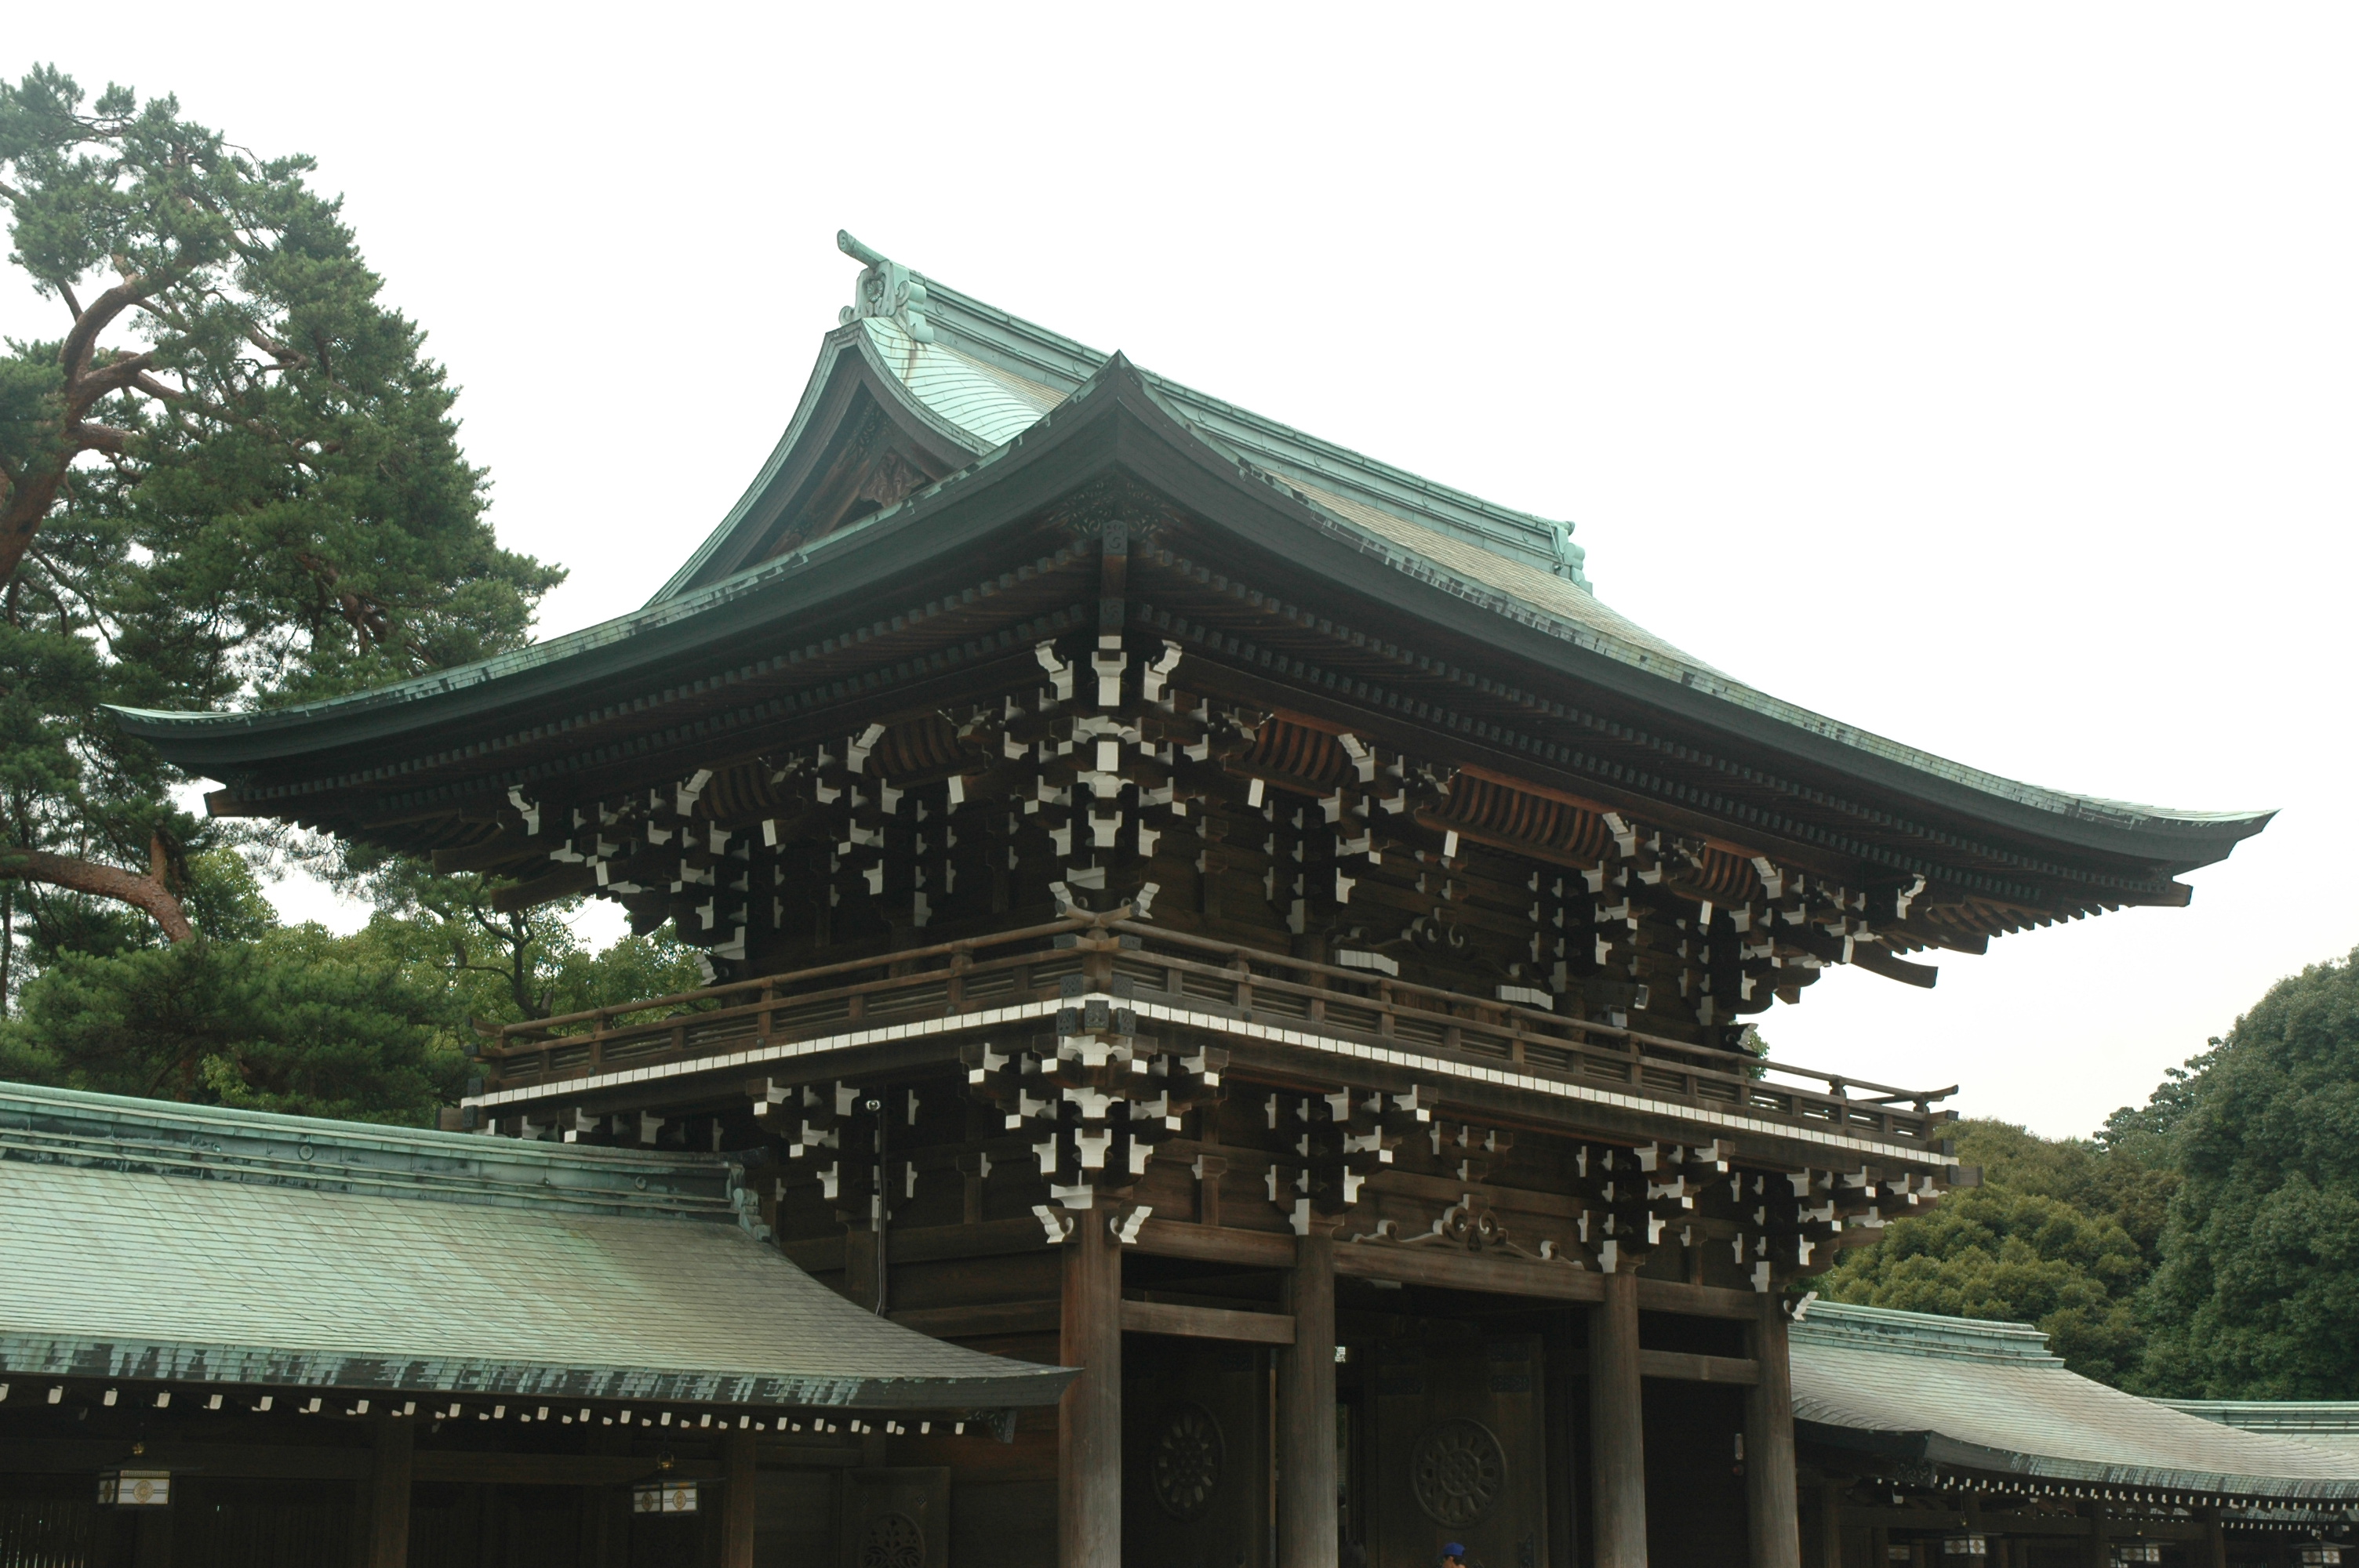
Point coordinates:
[[141, 1240], [1990, 1397]]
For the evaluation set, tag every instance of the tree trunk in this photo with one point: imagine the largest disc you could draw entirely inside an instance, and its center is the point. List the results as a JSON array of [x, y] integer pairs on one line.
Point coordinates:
[[147, 893]]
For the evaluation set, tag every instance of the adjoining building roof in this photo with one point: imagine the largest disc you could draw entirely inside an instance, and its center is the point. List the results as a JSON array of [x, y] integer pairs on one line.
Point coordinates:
[[1989, 1397], [194, 1243], [2322, 1423]]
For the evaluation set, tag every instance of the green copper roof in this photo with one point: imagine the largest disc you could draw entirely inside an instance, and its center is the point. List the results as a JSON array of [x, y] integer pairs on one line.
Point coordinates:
[[973, 375], [188, 1244], [2323, 1423], [990, 376], [1988, 1396]]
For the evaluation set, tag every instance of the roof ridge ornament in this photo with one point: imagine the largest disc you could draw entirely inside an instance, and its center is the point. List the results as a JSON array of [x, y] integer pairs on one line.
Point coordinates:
[[884, 289]]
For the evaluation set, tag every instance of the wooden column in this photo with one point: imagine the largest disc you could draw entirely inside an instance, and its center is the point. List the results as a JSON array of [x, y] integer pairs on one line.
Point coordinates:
[[737, 1500], [1089, 1421], [1306, 1411], [1617, 1440], [1772, 1518], [2215, 1541], [1830, 1526], [2099, 1540], [388, 1495]]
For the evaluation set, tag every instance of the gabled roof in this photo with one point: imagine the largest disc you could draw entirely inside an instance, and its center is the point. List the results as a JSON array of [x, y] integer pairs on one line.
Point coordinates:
[[736, 661], [1989, 1397], [141, 1240], [987, 376]]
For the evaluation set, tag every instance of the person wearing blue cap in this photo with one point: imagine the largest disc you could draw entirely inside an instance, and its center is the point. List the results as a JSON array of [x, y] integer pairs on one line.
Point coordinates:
[[1453, 1556]]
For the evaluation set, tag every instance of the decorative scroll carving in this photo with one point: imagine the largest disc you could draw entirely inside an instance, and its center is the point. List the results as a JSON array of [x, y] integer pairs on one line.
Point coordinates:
[[884, 288]]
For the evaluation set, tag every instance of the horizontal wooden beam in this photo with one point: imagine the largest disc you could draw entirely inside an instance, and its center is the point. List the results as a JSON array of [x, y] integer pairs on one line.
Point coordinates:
[[1446, 1268], [553, 1469], [1698, 1301], [260, 1461], [316, 1462], [1215, 1244], [925, 1244], [981, 1320], [1952, 1520], [1450, 1268], [1687, 1366], [1207, 1322]]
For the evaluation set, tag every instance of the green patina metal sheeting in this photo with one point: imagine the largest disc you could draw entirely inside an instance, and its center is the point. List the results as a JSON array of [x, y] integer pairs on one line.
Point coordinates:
[[1988, 1396], [127, 1265]]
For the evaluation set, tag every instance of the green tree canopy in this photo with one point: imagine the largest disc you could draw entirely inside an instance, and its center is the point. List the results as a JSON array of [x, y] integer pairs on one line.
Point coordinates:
[[373, 1026], [2062, 1234], [2258, 1291], [233, 478]]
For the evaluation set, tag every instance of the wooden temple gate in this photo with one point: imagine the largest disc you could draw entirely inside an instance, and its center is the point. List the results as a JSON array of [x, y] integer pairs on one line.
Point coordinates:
[[1186, 900]]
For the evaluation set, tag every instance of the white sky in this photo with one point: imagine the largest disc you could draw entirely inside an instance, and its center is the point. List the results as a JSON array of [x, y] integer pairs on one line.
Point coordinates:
[[1983, 376]]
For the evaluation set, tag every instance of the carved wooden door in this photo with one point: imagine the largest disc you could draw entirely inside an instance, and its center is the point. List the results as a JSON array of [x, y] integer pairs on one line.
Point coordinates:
[[1195, 1455], [895, 1517], [1460, 1454]]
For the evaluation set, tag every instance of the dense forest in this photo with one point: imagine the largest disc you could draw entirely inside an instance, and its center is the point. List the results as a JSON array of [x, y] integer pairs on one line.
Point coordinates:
[[2204, 1245], [233, 478]]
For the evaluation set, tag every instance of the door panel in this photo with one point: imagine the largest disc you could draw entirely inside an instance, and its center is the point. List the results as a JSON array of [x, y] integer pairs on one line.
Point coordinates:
[[1461, 1454], [896, 1518], [1195, 1453]]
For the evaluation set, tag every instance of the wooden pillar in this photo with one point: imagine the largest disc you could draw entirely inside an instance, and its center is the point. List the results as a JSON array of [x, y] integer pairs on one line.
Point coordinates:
[[388, 1495], [1089, 1421], [861, 1266], [1617, 1440], [1306, 1411], [737, 1500], [1772, 1515], [1830, 1526], [2098, 1555], [2215, 1541]]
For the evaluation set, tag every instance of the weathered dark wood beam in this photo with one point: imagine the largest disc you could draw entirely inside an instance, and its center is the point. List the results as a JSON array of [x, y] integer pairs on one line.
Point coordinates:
[[1459, 1271], [1215, 1244], [982, 1320], [563, 883], [1688, 1367], [1208, 1323]]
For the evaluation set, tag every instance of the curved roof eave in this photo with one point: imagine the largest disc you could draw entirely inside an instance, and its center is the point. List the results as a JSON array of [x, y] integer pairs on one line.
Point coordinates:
[[1663, 678], [1323, 543], [1928, 1446]]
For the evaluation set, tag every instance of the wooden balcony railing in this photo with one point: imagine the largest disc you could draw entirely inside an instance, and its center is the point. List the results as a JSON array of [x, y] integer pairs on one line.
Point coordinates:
[[1034, 965]]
